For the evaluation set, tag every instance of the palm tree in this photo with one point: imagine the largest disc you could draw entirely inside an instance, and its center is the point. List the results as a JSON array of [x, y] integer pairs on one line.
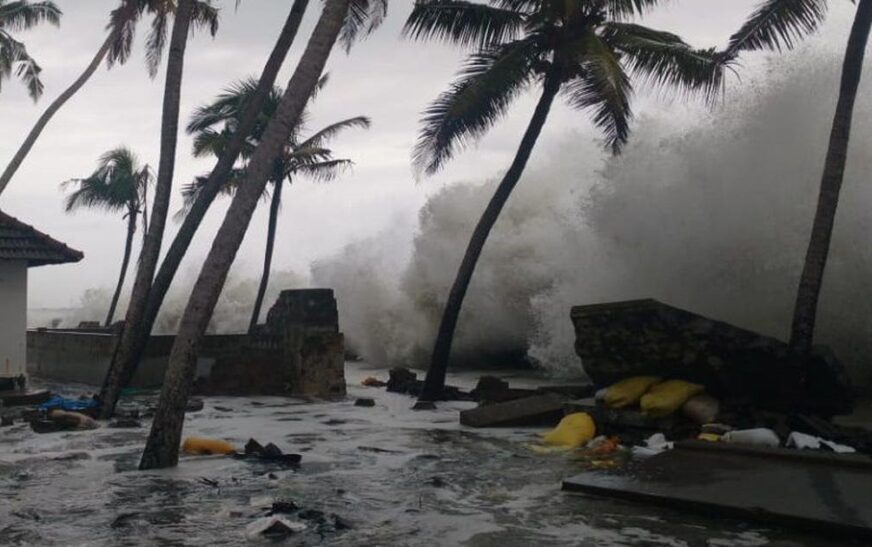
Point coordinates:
[[585, 49], [162, 447], [23, 15], [138, 326], [780, 24], [115, 50], [214, 125], [119, 184]]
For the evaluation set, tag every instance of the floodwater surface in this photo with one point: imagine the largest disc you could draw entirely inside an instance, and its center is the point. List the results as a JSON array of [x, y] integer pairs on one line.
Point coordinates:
[[369, 476]]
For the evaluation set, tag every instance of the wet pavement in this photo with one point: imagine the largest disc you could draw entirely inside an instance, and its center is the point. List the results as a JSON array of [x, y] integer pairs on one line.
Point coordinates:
[[380, 475]]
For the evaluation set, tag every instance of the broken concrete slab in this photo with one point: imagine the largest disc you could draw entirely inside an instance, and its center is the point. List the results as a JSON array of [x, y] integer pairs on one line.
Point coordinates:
[[645, 337], [539, 410], [776, 486]]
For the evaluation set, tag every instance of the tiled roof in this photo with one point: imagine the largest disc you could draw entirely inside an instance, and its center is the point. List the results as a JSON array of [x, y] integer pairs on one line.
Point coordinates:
[[19, 241]]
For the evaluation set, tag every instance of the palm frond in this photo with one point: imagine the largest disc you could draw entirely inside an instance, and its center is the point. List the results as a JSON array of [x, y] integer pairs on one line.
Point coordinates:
[[207, 16], [156, 42], [332, 130], [23, 15], [778, 25], [122, 23], [489, 81], [14, 57], [323, 171], [364, 16], [117, 184], [604, 87], [464, 23], [665, 61], [619, 10]]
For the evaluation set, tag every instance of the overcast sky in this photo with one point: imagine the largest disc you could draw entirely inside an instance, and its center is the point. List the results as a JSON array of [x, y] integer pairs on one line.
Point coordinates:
[[386, 78]]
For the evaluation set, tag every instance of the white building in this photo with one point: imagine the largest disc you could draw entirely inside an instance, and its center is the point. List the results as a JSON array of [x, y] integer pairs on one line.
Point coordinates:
[[21, 247]]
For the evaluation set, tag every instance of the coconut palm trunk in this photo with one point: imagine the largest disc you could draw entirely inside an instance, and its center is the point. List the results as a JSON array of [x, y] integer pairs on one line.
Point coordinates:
[[274, 206], [138, 329], [805, 310], [435, 380], [128, 248], [163, 188], [53, 108], [162, 447]]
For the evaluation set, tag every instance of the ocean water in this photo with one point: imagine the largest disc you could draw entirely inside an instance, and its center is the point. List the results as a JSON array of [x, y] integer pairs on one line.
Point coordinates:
[[394, 476]]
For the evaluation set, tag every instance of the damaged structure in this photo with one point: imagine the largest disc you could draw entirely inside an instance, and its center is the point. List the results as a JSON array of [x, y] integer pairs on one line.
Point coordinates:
[[646, 337], [299, 351]]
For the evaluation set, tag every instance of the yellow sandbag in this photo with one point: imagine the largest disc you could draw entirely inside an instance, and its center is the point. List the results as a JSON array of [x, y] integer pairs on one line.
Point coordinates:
[[667, 397], [197, 446], [628, 392], [573, 431]]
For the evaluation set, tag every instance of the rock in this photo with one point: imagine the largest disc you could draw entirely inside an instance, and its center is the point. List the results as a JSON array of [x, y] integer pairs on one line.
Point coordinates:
[[424, 405], [194, 405], [365, 402], [269, 453], [284, 507], [44, 426], [545, 409], [124, 423], [701, 409], [403, 380], [72, 420]]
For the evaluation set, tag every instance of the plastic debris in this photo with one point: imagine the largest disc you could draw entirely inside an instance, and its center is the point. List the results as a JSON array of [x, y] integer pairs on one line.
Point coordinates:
[[274, 527], [810, 442], [197, 446], [573, 431], [73, 405], [760, 436]]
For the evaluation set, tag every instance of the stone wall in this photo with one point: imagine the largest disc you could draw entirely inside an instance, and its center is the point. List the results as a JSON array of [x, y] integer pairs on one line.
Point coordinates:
[[299, 351]]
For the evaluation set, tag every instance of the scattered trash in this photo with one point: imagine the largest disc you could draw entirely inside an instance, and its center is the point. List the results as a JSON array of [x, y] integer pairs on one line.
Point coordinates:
[[629, 391], [269, 453], [658, 442], [197, 446], [760, 436], [573, 431], [273, 527], [74, 405], [665, 398], [373, 382], [805, 441]]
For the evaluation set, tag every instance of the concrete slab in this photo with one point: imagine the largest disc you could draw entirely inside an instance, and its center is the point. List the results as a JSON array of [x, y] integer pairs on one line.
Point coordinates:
[[823, 494], [531, 411]]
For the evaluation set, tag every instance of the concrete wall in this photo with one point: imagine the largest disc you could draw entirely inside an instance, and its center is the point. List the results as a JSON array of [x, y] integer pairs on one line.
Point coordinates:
[[83, 357], [13, 317]]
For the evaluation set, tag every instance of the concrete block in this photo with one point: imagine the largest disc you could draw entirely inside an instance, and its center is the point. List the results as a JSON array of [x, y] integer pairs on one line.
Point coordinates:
[[531, 411]]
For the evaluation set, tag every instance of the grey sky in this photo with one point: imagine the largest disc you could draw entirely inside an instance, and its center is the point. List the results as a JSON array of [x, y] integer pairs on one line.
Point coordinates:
[[386, 78]]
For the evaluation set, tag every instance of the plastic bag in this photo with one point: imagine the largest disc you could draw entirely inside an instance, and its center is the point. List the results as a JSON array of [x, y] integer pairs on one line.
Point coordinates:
[[628, 391], [760, 436], [665, 398], [574, 430]]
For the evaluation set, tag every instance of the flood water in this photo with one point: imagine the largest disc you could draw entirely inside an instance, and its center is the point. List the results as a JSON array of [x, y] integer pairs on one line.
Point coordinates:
[[390, 476]]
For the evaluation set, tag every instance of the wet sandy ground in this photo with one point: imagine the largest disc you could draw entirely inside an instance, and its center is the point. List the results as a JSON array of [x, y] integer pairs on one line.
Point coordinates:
[[394, 476]]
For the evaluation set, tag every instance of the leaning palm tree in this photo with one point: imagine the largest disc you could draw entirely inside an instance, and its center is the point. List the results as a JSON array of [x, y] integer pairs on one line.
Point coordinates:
[[118, 185], [776, 25], [162, 447], [23, 15], [115, 49], [213, 126], [586, 50], [143, 313]]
